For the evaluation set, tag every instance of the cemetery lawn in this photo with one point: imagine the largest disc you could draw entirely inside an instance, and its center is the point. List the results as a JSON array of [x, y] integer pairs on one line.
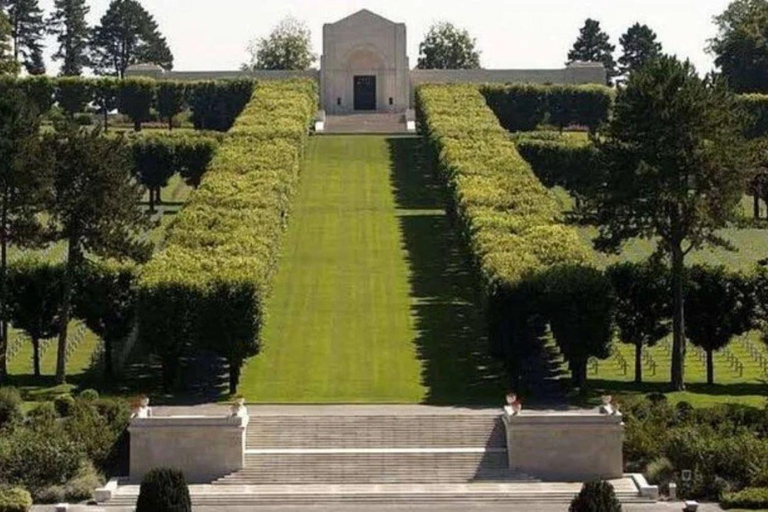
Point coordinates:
[[741, 375], [372, 302]]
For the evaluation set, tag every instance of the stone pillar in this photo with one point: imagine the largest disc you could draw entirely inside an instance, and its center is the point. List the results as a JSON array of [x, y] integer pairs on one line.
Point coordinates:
[[204, 448], [566, 446]]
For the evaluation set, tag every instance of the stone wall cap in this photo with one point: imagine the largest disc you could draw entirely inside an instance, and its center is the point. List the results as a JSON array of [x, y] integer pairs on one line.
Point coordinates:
[[188, 421], [571, 418]]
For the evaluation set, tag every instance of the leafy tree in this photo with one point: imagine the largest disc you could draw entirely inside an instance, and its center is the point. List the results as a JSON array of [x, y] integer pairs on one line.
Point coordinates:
[[447, 47], [193, 157], [134, 99], [106, 301], [94, 209], [73, 94], [642, 306], [741, 45], [594, 45], [673, 162], [8, 65], [638, 46], [128, 35], [24, 185], [171, 99], [718, 307], [68, 24], [27, 30], [34, 301], [288, 46], [578, 302], [105, 92], [154, 162]]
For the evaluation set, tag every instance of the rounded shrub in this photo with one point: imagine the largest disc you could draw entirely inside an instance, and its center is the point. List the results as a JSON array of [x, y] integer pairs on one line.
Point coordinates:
[[44, 414], [14, 499], [596, 496], [64, 405], [164, 490], [10, 406], [89, 395]]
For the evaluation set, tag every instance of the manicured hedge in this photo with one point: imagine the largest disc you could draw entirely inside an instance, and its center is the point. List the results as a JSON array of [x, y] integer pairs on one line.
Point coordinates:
[[215, 104], [751, 498], [522, 107], [206, 289], [511, 221], [572, 165]]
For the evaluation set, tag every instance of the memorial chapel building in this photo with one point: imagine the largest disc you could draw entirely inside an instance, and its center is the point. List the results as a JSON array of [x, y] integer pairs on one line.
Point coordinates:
[[364, 67]]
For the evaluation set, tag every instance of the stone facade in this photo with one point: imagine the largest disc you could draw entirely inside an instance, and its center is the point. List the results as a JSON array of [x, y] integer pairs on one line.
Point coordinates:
[[205, 448], [364, 68], [364, 51], [568, 446]]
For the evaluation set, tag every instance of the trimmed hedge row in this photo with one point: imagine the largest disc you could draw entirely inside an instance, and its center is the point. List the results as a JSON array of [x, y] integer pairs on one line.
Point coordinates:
[[523, 107], [215, 104], [570, 164], [158, 156], [751, 498], [511, 221], [206, 288]]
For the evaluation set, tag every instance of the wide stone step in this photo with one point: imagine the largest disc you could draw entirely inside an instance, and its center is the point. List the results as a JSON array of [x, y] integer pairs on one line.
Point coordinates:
[[371, 468], [375, 431]]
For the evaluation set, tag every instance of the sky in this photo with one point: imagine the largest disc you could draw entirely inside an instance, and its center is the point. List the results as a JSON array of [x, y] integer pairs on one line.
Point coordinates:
[[511, 34]]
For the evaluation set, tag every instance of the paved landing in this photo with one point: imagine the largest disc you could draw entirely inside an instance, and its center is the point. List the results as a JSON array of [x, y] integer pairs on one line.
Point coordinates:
[[366, 123]]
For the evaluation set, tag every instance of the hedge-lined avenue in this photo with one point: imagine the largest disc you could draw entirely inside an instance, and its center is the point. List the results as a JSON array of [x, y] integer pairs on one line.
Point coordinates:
[[512, 223], [206, 288]]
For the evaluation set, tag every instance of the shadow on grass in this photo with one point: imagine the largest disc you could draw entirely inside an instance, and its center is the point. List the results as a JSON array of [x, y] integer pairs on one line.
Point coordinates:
[[446, 302]]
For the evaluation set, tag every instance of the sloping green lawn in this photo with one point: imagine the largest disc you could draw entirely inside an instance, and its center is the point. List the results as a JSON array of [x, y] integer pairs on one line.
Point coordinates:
[[372, 301]]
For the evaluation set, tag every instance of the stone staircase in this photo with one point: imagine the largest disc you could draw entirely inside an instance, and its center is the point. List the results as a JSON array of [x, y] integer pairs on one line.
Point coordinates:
[[309, 455], [374, 450]]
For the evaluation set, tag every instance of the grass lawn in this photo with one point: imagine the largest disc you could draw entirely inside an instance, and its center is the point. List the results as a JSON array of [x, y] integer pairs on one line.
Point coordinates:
[[372, 301]]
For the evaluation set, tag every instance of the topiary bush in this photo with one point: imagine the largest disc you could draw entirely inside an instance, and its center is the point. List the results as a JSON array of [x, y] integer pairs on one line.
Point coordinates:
[[164, 490], [596, 496], [14, 499], [89, 395], [10, 407]]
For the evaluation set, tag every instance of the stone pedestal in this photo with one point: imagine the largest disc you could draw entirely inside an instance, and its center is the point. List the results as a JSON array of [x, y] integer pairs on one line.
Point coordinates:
[[204, 448], [569, 447]]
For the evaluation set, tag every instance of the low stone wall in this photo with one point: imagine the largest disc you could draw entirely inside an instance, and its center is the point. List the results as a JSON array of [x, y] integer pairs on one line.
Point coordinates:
[[158, 74], [204, 448], [568, 447]]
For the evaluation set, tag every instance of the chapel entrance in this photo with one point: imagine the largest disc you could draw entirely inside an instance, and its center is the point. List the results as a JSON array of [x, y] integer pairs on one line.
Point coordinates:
[[365, 92]]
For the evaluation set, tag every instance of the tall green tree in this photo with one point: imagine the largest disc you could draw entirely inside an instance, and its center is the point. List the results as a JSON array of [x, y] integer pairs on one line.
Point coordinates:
[[171, 100], [642, 306], [127, 35], [578, 303], [447, 47], [94, 210], [34, 301], [741, 45], [27, 31], [106, 301], [674, 163], [8, 65], [24, 188], [287, 47], [68, 24], [594, 45], [638, 46], [719, 306]]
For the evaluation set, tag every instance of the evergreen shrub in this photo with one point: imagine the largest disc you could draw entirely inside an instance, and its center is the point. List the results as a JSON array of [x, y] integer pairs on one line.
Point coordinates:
[[164, 490]]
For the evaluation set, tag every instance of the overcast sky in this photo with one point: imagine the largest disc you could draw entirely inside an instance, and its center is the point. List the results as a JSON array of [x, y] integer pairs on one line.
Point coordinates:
[[213, 34]]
